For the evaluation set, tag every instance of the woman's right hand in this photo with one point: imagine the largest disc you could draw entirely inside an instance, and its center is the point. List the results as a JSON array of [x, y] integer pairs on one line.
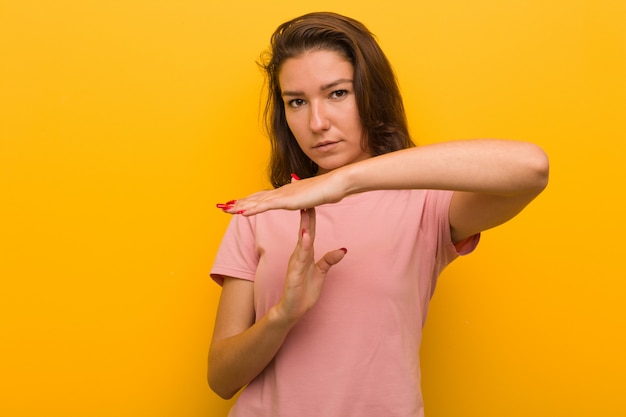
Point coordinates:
[[305, 277]]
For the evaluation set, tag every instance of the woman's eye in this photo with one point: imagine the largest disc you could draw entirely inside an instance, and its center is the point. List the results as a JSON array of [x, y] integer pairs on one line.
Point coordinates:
[[296, 102], [339, 93]]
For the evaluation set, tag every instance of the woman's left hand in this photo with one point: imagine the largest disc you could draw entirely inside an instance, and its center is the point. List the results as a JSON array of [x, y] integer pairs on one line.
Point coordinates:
[[300, 194]]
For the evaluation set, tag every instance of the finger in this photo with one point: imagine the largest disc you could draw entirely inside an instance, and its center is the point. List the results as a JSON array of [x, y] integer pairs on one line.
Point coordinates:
[[247, 206], [226, 206], [307, 222], [312, 222], [304, 248], [331, 258]]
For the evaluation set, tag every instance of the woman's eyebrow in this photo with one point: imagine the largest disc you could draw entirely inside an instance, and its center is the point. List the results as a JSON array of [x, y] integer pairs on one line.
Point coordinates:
[[335, 84], [322, 88]]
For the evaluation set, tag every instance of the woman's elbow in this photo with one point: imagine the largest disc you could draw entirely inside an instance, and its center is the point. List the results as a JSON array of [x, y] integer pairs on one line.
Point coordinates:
[[222, 394], [219, 389], [539, 166]]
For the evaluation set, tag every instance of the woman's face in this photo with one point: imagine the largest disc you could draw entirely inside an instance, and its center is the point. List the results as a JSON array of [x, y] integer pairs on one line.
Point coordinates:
[[321, 109]]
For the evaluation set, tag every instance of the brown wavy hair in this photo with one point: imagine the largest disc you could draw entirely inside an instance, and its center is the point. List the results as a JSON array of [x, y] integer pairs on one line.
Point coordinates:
[[378, 97]]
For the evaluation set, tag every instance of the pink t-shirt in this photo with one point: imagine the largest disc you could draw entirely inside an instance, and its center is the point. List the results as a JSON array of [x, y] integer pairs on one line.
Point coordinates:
[[356, 353]]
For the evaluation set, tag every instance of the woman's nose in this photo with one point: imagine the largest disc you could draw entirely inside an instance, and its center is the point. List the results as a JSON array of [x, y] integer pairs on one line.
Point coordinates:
[[318, 120]]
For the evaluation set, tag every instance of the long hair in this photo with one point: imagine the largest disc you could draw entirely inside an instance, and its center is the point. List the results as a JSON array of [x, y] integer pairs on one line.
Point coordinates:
[[378, 97]]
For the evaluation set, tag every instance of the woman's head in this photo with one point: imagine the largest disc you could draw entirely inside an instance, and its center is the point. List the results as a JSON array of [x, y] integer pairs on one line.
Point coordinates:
[[378, 98]]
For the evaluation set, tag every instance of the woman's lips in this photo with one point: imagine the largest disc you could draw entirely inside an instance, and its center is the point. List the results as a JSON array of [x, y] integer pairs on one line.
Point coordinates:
[[325, 146]]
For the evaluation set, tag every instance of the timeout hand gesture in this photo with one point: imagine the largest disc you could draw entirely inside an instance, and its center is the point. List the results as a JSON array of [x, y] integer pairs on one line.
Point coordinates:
[[305, 277]]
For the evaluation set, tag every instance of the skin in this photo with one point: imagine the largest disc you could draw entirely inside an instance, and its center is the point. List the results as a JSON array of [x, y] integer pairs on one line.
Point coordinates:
[[492, 180], [321, 108]]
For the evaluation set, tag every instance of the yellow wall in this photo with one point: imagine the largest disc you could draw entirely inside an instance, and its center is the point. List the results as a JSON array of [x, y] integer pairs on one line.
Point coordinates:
[[122, 123]]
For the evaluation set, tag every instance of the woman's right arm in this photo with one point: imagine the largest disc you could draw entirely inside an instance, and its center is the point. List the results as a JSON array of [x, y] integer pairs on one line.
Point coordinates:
[[242, 348]]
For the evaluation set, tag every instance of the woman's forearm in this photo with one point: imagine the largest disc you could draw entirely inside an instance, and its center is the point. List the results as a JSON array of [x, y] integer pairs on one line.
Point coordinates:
[[236, 360], [488, 166]]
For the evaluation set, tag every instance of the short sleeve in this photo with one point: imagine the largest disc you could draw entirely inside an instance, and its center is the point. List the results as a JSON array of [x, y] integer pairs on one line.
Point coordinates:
[[237, 255], [448, 250]]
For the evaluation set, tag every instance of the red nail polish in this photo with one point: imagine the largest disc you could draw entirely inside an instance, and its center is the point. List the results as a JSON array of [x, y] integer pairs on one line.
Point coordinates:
[[231, 202], [224, 206], [241, 212], [295, 177], [344, 250], [303, 231]]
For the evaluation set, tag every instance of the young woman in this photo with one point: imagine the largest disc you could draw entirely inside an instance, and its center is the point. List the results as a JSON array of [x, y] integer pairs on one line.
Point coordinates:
[[326, 279]]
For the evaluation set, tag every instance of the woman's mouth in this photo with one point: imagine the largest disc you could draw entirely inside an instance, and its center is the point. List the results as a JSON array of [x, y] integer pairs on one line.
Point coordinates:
[[325, 146]]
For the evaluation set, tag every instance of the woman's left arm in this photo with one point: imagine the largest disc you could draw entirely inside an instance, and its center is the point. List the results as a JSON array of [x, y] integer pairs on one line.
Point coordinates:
[[493, 180]]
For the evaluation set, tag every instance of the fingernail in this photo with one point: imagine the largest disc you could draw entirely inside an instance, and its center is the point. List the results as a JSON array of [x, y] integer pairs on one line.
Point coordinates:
[[231, 202], [241, 211], [295, 177], [223, 206], [303, 231], [344, 250]]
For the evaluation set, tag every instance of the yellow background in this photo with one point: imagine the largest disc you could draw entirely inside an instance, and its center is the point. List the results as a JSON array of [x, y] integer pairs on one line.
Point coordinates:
[[122, 123]]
